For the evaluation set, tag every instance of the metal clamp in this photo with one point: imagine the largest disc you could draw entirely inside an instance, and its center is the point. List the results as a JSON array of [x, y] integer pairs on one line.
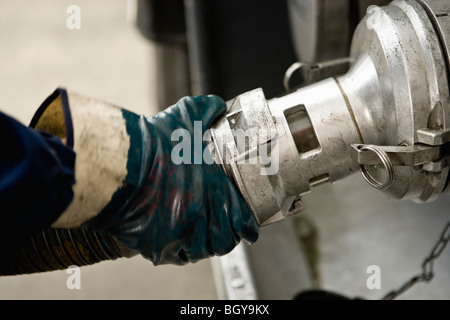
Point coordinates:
[[424, 157]]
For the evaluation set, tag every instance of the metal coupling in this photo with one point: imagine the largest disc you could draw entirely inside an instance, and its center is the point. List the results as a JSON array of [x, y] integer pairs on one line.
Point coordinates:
[[388, 117]]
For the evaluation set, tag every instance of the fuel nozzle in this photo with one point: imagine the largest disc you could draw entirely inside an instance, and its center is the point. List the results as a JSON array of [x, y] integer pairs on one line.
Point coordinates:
[[387, 117]]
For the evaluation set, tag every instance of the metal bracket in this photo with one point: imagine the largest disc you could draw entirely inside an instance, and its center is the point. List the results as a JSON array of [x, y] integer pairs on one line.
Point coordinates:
[[433, 137], [233, 275]]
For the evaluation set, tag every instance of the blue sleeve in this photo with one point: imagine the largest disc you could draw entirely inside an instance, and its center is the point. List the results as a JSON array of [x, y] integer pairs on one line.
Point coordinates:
[[36, 179]]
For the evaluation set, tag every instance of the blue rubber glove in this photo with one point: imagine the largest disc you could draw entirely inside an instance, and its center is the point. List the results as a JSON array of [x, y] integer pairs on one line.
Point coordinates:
[[182, 212]]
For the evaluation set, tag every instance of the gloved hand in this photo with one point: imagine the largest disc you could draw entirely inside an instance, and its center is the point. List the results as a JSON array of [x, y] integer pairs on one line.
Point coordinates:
[[181, 212]]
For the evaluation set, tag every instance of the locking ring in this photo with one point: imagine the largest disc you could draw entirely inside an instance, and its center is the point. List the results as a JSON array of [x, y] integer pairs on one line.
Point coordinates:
[[384, 158]]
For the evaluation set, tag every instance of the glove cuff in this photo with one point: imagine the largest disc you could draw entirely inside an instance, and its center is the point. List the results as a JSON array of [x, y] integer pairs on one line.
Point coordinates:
[[108, 142]]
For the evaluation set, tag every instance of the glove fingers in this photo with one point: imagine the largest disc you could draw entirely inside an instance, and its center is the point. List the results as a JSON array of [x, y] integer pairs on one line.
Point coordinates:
[[211, 107], [204, 109], [230, 218]]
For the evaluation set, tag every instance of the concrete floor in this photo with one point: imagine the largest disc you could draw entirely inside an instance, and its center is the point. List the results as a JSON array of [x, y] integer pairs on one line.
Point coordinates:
[[358, 227]]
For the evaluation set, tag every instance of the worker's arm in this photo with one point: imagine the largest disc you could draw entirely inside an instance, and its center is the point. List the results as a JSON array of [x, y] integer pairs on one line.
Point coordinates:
[[36, 179], [137, 182]]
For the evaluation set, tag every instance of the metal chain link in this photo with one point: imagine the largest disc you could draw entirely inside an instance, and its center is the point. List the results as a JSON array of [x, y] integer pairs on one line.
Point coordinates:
[[427, 266]]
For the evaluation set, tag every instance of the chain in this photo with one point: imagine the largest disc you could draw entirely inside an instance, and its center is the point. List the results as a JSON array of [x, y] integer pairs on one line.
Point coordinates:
[[427, 266]]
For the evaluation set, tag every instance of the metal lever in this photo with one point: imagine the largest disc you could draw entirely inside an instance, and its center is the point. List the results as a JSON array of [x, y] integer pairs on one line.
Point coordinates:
[[419, 156], [314, 72]]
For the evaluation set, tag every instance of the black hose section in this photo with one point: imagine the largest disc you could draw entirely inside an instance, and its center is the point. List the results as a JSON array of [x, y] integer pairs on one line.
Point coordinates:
[[57, 249]]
